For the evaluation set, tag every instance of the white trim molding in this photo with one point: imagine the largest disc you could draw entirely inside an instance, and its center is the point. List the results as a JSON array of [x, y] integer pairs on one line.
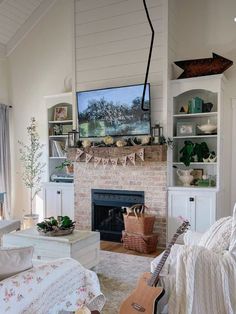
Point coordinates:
[[30, 23]]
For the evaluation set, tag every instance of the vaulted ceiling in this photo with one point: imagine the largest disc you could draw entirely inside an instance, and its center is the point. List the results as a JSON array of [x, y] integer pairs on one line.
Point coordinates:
[[17, 18]]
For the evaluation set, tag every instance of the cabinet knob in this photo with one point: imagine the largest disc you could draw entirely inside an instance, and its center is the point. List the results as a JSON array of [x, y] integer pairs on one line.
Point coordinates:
[[58, 192], [191, 199]]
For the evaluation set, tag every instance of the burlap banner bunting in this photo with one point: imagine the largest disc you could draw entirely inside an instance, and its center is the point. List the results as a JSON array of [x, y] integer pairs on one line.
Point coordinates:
[[114, 161]]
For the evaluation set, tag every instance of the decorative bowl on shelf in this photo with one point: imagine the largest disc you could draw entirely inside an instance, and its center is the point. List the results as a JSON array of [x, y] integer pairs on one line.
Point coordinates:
[[207, 128], [53, 227]]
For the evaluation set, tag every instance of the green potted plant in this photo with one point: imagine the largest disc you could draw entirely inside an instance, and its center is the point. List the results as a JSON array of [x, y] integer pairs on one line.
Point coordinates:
[[62, 225], [68, 165], [192, 152], [30, 156]]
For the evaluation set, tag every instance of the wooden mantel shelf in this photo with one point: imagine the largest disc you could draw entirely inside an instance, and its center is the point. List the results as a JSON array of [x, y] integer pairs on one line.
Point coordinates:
[[152, 153]]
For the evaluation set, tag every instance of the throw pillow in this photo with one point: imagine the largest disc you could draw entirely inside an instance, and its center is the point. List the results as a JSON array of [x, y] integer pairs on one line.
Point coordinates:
[[217, 238], [15, 260]]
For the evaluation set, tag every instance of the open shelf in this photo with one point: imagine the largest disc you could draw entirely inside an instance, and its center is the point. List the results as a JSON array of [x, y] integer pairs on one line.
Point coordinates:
[[61, 122], [197, 163], [195, 115], [196, 136]]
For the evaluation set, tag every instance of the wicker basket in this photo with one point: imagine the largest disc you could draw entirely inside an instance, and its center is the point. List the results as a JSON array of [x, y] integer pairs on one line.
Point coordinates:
[[140, 243], [138, 222]]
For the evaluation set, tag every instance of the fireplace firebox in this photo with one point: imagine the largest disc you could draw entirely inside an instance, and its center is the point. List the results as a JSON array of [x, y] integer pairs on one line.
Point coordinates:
[[107, 211]]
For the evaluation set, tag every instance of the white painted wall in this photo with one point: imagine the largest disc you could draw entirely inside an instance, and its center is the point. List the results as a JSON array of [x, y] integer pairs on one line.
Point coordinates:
[[112, 46], [203, 27], [4, 97], [37, 67]]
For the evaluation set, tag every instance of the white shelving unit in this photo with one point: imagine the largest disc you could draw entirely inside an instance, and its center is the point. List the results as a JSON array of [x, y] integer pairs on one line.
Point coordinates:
[[201, 205], [58, 197], [55, 157]]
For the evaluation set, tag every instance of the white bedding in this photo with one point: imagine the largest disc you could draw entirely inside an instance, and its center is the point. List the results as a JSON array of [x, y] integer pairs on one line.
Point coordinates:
[[49, 288]]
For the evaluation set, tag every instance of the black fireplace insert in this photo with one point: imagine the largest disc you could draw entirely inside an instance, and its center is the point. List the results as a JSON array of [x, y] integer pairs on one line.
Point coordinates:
[[108, 207]]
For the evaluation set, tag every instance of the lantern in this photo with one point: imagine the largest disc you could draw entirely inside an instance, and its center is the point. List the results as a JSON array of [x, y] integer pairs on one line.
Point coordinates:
[[73, 138], [157, 133]]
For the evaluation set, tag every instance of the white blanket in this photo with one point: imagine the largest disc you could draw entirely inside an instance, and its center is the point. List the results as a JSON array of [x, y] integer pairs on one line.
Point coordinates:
[[198, 272], [49, 288]]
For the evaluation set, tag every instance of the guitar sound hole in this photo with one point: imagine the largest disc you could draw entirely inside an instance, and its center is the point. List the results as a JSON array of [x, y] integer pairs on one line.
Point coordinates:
[[138, 307]]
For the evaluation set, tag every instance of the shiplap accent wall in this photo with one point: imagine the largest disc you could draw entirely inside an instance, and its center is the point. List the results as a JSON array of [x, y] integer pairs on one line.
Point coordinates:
[[112, 39]]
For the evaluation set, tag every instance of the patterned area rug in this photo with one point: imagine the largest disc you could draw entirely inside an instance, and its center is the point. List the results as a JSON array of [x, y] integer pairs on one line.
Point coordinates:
[[118, 274]]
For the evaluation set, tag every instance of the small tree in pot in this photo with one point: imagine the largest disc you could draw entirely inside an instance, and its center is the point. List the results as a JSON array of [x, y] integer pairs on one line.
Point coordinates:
[[30, 156]]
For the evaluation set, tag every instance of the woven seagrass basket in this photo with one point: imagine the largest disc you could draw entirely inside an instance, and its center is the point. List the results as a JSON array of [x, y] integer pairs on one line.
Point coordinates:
[[138, 222], [140, 243]]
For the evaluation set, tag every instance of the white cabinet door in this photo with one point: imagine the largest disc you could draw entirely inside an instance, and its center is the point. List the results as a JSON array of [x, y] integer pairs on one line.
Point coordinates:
[[52, 202], [205, 204], [67, 202], [178, 206], [196, 206], [58, 200]]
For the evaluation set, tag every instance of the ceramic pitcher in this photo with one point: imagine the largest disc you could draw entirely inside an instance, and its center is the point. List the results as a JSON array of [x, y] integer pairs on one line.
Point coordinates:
[[185, 176]]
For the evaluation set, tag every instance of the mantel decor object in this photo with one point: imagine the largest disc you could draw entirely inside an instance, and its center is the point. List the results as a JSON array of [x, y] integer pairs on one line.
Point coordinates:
[[157, 133], [206, 66], [73, 138]]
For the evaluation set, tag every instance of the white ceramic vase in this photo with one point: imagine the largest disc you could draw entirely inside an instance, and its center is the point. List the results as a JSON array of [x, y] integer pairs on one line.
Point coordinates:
[[185, 176]]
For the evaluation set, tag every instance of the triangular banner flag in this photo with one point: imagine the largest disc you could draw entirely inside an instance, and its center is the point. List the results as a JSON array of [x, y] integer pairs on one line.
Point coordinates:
[[97, 161], [140, 153], [79, 153], [132, 158], [88, 157], [114, 162], [123, 160], [105, 162]]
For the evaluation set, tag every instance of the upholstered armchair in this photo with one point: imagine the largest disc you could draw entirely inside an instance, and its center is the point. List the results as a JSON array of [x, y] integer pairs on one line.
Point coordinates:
[[200, 275]]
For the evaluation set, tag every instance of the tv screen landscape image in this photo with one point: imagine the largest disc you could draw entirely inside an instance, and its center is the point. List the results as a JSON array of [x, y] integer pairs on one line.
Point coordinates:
[[114, 111]]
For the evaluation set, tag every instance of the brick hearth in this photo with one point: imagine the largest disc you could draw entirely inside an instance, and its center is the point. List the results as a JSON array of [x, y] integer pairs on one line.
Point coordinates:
[[147, 176]]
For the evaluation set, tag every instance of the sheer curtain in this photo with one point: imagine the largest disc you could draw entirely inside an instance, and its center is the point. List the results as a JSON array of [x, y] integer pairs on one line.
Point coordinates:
[[5, 168]]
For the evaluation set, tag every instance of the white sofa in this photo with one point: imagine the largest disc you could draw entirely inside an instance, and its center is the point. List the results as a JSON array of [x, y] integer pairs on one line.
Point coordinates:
[[200, 275], [51, 288]]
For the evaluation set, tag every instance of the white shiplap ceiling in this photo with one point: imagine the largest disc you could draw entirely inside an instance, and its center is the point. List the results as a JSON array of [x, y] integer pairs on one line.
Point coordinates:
[[17, 18]]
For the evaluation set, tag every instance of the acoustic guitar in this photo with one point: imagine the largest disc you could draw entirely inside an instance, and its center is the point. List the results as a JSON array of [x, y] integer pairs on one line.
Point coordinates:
[[145, 297]]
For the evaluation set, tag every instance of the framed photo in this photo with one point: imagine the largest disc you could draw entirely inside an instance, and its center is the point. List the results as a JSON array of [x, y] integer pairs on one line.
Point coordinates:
[[185, 128], [60, 113], [197, 175]]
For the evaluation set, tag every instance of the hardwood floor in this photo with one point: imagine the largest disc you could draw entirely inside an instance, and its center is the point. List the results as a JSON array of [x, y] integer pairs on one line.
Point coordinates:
[[118, 248]]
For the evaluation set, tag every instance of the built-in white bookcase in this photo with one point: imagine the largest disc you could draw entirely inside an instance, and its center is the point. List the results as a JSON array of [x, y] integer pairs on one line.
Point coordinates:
[[189, 201], [58, 130]]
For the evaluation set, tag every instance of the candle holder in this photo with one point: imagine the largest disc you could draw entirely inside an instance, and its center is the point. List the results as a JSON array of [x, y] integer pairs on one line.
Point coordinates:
[[157, 134], [73, 138]]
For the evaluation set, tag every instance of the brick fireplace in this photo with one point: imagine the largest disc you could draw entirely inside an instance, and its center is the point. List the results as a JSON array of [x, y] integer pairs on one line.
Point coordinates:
[[148, 176]]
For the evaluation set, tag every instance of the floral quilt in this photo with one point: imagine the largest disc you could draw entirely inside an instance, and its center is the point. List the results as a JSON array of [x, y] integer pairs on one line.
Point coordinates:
[[61, 285]]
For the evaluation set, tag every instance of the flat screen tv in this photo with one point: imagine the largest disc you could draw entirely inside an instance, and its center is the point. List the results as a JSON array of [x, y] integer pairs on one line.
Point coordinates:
[[114, 111]]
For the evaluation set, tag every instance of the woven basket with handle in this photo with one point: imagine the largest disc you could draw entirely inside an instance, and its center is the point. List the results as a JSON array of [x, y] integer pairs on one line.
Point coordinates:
[[136, 221], [140, 243]]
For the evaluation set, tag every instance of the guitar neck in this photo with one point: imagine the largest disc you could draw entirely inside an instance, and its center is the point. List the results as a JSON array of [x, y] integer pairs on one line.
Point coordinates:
[[154, 279]]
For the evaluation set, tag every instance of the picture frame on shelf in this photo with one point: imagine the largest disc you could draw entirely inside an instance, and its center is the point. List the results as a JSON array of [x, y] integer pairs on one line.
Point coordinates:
[[60, 113], [197, 175], [66, 128], [185, 128]]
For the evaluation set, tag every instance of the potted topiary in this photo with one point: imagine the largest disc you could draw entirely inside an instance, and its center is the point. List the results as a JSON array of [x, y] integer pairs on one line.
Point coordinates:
[[30, 156]]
